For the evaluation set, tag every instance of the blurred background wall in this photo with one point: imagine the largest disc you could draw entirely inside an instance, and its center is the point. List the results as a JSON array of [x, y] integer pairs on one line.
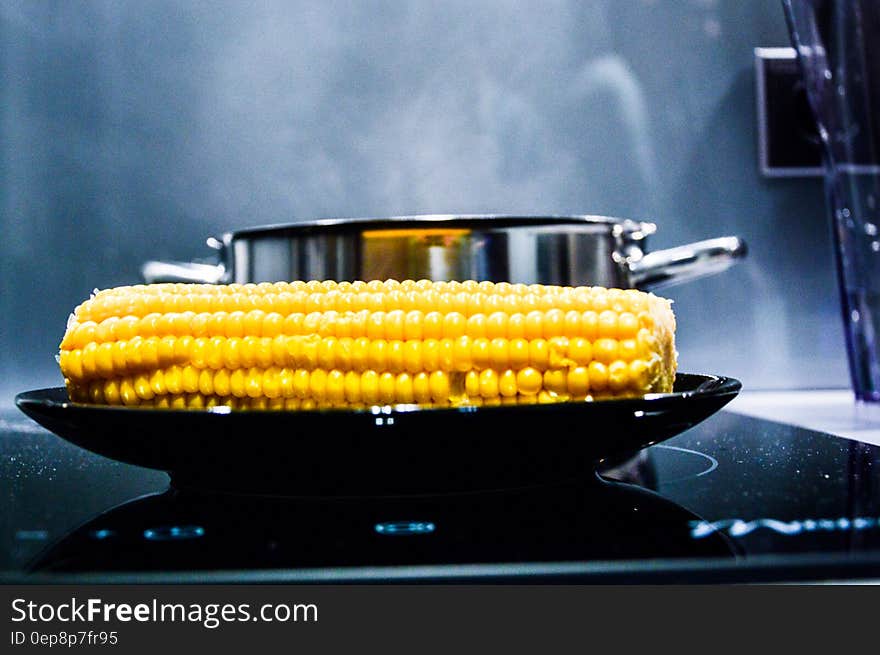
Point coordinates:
[[133, 130]]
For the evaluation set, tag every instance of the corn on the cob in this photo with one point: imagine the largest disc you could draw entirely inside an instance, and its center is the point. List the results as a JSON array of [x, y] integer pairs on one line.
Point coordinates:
[[303, 345]]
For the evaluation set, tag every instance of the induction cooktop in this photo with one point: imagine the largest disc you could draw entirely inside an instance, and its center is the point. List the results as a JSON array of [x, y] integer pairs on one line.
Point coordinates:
[[733, 499]]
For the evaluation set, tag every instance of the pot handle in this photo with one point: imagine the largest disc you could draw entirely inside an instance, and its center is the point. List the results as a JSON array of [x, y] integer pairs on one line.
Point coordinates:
[[689, 262], [156, 271]]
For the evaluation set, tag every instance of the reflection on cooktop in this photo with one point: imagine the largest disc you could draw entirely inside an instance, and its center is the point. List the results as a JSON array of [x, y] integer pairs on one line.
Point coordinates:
[[201, 531]]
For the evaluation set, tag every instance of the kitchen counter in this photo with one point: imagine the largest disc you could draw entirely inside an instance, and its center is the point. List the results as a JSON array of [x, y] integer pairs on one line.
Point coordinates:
[[825, 410]]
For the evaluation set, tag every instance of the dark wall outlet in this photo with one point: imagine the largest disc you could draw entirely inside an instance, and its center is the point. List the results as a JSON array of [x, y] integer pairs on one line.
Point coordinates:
[[788, 139]]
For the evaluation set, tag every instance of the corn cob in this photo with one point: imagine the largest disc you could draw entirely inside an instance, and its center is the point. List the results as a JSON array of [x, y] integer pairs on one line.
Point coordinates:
[[321, 344]]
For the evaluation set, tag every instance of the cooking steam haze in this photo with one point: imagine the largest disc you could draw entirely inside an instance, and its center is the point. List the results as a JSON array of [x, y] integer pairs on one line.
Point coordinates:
[[346, 108]]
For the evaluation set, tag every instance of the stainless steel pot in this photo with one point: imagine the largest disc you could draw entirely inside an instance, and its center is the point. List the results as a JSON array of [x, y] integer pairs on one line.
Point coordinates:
[[564, 250]]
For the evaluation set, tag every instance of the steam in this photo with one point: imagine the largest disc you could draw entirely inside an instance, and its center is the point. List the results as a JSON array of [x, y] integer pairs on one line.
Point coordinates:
[[402, 107]]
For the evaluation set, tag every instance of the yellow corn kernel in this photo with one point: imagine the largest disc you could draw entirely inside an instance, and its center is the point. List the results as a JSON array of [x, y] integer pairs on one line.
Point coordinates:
[[370, 387], [539, 354], [430, 354], [285, 380], [253, 383], [318, 384], [237, 384], [387, 385], [403, 389], [104, 360], [580, 351], [598, 376], [499, 354], [127, 393], [190, 379], [558, 346], [454, 325], [412, 325], [534, 325], [352, 384], [472, 384], [221, 383], [488, 383], [206, 382], [618, 375], [271, 383], [507, 384], [607, 324], [395, 360], [439, 385], [518, 353], [96, 393], [377, 356], [432, 324], [578, 381], [301, 383], [462, 354], [553, 323], [516, 324], [556, 381], [529, 381], [335, 387], [590, 325], [480, 357], [157, 383], [447, 355], [421, 388], [412, 356], [605, 350], [142, 387], [627, 349]]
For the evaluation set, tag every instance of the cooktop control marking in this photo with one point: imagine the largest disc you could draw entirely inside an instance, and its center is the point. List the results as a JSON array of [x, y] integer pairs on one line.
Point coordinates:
[[404, 528], [712, 463], [740, 528], [174, 532]]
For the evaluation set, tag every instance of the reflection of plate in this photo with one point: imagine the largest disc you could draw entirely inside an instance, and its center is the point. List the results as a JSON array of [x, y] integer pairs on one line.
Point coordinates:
[[186, 531], [383, 450]]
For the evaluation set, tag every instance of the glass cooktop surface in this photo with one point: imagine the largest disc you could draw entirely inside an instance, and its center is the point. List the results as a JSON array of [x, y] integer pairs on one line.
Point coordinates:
[[732, 499]]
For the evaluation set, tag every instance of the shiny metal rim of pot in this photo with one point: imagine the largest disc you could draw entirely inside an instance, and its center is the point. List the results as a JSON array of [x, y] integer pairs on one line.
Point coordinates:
[[563, 250]]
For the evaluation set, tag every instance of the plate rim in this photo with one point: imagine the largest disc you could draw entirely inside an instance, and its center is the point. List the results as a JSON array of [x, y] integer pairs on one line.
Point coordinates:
[[721, 385]]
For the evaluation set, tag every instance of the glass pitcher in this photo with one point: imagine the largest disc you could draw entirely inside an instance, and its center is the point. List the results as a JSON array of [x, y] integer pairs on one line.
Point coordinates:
[[838, 48]]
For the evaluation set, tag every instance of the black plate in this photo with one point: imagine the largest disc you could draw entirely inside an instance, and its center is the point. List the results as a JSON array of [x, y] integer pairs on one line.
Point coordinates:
[[382, 450]]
